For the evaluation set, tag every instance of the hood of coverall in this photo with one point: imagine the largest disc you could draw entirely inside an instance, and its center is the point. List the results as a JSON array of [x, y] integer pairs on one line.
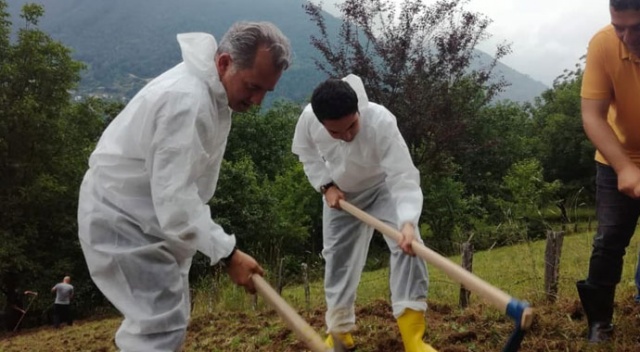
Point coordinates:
[[198, 54], [356, 83]]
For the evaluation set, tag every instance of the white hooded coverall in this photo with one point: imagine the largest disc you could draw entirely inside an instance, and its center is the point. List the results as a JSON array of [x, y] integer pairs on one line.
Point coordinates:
[[376, 173], [143, 202]]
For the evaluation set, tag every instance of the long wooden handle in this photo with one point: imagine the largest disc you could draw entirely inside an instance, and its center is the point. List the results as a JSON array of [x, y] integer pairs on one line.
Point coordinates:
[[293, 320], [457, 273], [15, 328]]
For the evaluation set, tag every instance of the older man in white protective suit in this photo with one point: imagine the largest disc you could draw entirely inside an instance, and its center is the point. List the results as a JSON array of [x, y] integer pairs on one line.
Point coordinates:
[[143, 202], [352, 149]]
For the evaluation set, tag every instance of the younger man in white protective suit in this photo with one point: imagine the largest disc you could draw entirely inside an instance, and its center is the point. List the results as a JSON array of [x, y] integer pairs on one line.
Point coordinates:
[[143, 210], [352, 149]]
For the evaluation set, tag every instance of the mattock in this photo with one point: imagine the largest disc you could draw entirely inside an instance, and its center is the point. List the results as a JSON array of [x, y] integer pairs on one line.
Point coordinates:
[[294, 321], [519, 311]]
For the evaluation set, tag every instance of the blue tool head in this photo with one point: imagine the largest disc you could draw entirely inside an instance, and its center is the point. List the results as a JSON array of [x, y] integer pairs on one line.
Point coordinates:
[[521, 313]]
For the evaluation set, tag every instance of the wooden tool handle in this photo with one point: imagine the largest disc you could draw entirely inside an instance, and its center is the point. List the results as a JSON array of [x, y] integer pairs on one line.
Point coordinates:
[[293, 320], [457, 273]]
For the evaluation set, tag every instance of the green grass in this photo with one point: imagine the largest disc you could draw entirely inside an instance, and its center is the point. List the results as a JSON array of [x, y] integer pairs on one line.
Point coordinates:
[[518, 270]]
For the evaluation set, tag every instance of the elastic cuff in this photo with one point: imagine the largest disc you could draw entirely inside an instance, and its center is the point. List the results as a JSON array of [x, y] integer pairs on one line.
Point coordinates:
[[227, 260]]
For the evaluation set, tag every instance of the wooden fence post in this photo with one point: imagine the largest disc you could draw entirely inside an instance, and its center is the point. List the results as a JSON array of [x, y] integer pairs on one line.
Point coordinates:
[[552, 255], [280, 278], [307, 292], [467, 263], [563, 214]]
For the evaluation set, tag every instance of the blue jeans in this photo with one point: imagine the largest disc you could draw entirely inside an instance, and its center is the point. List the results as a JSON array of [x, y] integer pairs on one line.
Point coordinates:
[[617, 216]]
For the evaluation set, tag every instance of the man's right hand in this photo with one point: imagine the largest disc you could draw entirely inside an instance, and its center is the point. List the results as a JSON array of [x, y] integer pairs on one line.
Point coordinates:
[[629, 181], [241, 267], [333, 195]]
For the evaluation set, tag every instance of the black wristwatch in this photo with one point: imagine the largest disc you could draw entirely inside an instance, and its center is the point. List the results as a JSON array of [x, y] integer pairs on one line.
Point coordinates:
[[227, 260], [324, 188]]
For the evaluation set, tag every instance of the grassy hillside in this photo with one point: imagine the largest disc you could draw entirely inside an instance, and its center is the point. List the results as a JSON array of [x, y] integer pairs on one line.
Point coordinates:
[[225, 319]]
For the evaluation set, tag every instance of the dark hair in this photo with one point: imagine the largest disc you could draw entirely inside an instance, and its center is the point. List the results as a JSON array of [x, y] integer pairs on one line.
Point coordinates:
[[334, 99], [622, 5]]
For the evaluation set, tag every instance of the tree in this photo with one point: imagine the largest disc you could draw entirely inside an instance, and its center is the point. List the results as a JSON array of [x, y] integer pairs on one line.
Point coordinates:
[[265, 137], [528, 194], [45, 140], [502, 134], [562, 140]]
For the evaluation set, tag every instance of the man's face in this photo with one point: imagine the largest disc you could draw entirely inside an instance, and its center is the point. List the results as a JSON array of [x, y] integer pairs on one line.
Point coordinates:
[[345, 128], [627, 26], [247, 87]]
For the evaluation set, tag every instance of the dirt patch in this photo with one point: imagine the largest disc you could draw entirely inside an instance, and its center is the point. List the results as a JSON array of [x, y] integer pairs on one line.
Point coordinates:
[[466, 336], [559, 326]]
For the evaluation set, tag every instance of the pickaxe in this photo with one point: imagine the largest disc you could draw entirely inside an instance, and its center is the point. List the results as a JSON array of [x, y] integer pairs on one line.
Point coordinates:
[[293, 320], [519, 311]]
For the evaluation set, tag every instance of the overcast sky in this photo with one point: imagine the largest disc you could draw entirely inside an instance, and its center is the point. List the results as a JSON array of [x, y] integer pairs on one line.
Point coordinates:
[[546, 36]]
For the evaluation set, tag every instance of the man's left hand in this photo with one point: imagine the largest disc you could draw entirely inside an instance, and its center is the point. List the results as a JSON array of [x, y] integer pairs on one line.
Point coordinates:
[[408, 235], [333, 195]]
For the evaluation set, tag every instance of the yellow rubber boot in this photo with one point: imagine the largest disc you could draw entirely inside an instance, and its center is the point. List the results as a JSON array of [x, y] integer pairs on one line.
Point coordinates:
[[346, 339], [412, 326]]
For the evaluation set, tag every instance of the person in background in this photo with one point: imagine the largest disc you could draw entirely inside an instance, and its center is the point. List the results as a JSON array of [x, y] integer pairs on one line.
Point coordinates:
[[611, 118], [143, 209], [62, 304], [351, 149], [14, 308]]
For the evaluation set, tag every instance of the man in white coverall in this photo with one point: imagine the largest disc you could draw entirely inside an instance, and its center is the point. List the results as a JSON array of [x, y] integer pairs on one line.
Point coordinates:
[[352, 149], [143, 202]]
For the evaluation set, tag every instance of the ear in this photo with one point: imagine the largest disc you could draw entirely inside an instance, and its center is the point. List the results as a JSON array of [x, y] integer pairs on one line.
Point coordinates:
[[224, 63]]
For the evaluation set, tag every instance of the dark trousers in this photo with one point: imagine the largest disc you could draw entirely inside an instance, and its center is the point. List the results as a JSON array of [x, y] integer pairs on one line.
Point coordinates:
[[62, 314], [617, 216]]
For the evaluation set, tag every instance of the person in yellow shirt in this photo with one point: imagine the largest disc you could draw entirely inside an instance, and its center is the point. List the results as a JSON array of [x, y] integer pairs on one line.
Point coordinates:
[[611, 118]]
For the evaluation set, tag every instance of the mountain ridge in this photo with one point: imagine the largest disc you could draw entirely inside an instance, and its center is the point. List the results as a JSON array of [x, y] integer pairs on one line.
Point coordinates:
[[126, 42]]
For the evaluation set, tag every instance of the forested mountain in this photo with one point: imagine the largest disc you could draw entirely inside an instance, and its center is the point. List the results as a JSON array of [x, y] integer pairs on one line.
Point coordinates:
[[126, 42]]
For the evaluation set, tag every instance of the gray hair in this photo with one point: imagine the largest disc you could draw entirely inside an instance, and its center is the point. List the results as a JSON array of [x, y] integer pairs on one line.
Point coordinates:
[[623, 5], [243, 39]]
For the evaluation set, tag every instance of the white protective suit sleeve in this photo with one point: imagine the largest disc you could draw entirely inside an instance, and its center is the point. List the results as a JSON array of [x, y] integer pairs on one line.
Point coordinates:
[[175, 158], [303, 145], [402, 177]]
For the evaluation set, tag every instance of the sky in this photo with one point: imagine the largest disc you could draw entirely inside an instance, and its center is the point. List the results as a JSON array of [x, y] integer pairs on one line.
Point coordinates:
[[546, 36]]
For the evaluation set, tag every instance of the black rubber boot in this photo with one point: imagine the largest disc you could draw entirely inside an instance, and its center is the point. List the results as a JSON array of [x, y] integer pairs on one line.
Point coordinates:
[[597, 302]]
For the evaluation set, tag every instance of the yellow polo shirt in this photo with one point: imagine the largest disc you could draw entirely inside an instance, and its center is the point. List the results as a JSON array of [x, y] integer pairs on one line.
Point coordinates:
[[612, 72]]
